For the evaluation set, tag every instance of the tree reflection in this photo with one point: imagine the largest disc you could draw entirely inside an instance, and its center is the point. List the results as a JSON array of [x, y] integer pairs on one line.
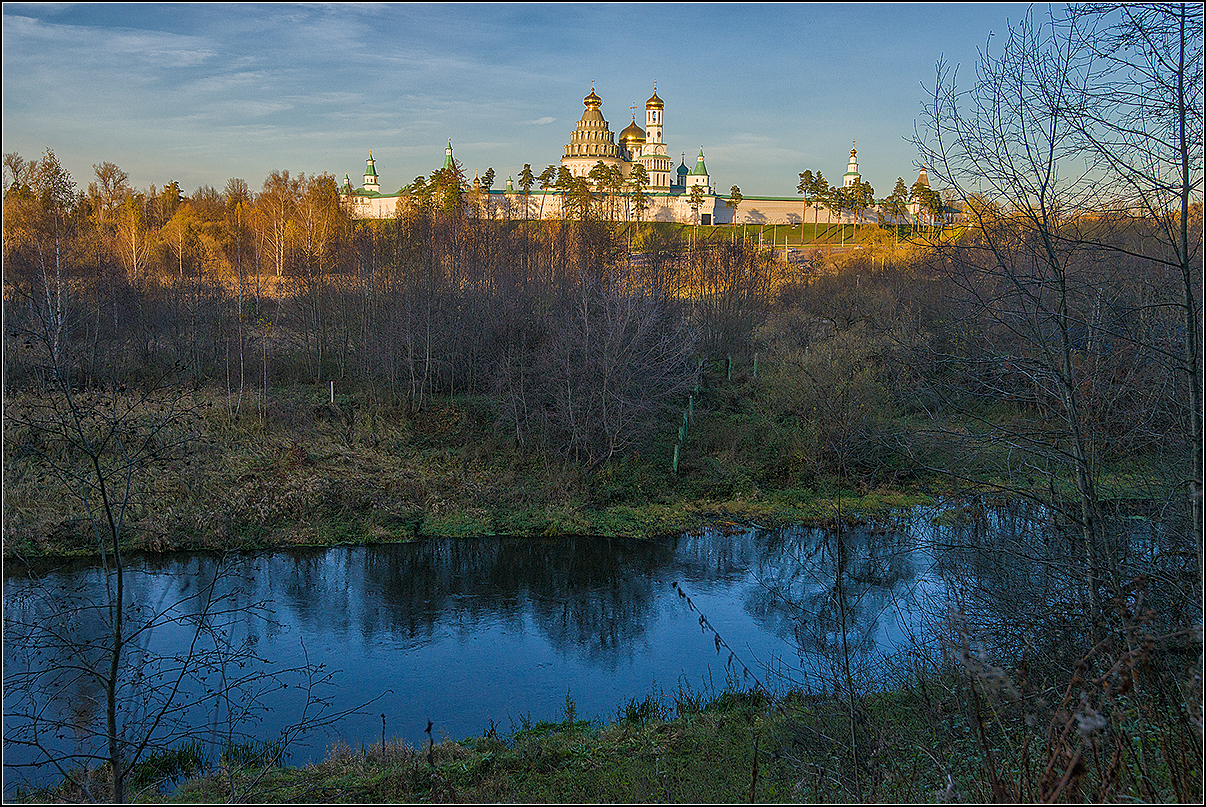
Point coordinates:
[[592, 595], [1004, 574]]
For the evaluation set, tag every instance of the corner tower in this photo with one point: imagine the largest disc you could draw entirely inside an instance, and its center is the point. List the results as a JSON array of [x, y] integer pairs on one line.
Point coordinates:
[[370, 176], [699, 174]]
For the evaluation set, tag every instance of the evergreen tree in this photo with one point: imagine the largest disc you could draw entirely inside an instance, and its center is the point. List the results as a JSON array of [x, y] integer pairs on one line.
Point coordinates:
[[807, 182], [734, 201], [548, 179], [639, 181], [859, 197], [526, 180], [897, 205]]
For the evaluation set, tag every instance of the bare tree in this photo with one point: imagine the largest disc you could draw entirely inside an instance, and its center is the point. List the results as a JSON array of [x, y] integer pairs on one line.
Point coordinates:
[[1008, 138], [85, 664], [1014, 148], [16, 166], [1142, 118], [614, 356], [110, 188]]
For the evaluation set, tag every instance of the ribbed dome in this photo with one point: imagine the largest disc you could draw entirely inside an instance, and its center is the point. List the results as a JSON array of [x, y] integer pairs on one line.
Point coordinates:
[[592, 115], [591, 138]]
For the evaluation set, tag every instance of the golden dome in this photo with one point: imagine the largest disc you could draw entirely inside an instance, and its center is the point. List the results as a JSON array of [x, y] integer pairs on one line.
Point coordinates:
[[654, 102], [592, 101], [632, 133]]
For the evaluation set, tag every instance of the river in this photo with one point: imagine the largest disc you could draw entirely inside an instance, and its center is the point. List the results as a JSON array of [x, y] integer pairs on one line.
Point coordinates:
[[474, 634]]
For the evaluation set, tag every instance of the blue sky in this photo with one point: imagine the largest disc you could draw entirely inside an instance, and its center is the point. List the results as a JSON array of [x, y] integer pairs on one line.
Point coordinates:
[[200, 93]]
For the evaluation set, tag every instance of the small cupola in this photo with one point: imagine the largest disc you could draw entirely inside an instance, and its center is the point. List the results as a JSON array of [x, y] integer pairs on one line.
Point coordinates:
[[654, 102], [592, 101], [683, 171]]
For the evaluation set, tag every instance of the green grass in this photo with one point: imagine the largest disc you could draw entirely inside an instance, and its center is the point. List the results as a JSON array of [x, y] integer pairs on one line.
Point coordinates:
[[653, 751], [293, 471], [299, 475], [918, 743]]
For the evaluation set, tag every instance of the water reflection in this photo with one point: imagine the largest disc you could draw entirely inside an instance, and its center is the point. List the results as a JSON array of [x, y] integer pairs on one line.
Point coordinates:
[[468, 631]]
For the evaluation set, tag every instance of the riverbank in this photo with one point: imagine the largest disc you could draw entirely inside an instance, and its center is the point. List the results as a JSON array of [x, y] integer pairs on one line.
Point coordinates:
[[943, 730], [298, 469], [928, 740], [685, 749]]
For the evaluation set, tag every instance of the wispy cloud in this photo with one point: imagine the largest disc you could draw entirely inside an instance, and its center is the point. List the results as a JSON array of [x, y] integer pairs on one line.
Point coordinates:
[[114, 46], [192, 89]]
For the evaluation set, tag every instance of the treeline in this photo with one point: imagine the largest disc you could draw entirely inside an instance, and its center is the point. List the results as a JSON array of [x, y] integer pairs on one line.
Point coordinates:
[[250, 291], [578, 345]]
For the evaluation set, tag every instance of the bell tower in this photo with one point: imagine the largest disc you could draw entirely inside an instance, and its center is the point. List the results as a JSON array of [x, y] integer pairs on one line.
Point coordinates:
[[852, 175], [653, 154]]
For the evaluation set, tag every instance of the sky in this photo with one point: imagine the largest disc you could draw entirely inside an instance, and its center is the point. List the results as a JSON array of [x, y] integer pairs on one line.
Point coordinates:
[[200, 93]]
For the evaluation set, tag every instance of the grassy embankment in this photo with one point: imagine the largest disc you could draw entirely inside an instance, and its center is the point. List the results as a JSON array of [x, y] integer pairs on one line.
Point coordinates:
[[684, 749], [820, 233], [939, 736], [298, 471], [305, 473]]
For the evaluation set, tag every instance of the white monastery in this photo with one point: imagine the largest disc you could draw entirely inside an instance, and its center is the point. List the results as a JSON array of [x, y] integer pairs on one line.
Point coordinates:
[[591, 142]]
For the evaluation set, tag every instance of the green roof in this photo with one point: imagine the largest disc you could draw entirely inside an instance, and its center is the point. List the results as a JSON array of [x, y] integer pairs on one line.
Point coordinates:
[[700, 169]]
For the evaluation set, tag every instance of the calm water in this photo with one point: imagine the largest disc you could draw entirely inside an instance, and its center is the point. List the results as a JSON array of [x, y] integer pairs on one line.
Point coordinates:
[[470, 632]]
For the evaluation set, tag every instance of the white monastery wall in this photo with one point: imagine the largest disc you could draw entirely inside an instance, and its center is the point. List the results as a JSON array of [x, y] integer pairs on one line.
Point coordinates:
[[662, 207]]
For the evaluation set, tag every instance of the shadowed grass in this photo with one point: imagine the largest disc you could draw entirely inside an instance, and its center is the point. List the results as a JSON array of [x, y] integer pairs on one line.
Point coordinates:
[[927, 740], [295, 470]]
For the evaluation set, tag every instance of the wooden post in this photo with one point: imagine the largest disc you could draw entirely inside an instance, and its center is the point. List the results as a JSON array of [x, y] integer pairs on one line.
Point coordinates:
[[676, 458], [755, 365], [730, 367]]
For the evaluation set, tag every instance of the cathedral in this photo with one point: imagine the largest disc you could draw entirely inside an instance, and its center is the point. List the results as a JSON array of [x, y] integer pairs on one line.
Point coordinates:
[[591, 142]]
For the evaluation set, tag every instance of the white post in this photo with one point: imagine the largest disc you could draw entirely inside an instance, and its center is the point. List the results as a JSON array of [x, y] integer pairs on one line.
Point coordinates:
[[332, 393]]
